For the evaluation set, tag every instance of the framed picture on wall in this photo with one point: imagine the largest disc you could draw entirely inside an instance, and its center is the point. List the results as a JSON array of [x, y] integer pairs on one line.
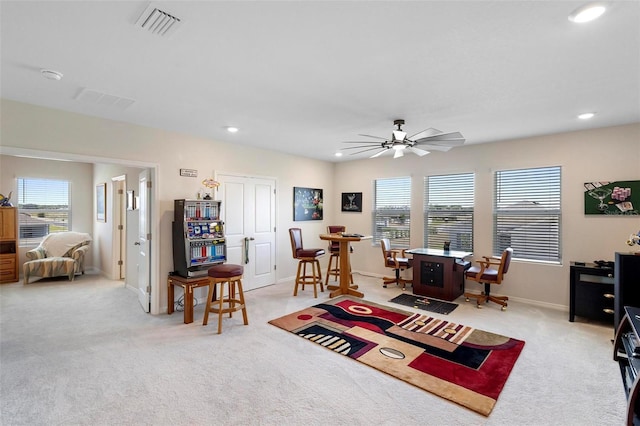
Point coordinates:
[[307, 203], [352, 201], [612, 198], [101, 202]]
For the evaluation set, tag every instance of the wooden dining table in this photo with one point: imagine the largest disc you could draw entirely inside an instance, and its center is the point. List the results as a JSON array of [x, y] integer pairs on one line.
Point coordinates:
[[345, 286]]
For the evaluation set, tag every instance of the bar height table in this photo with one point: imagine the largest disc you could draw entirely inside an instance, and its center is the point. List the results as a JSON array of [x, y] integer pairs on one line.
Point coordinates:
[[344, 281]]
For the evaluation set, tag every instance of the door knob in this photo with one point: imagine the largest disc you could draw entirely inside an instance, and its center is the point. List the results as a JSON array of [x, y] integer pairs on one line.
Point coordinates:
[[136, 243]]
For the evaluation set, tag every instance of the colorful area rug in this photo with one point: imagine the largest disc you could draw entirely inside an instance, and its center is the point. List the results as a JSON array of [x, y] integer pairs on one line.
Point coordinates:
[[425, 303], [456, 362]]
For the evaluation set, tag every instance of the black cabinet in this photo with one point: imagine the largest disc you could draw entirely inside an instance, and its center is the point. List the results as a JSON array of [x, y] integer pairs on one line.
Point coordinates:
[[591, 292], [198, 237], [626, 351], [627, 283], [439, 274]]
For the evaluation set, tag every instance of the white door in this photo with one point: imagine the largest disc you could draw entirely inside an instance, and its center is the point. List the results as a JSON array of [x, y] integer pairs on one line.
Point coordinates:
[[144, 235], [248, 212]]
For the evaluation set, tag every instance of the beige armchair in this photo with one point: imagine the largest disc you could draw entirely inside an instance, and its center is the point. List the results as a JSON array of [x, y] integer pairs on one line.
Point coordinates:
[[58, 254]]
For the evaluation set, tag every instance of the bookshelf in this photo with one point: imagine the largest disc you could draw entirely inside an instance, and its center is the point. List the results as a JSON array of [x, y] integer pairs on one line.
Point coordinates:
[[626, 351], [198, 237], [8, 245]]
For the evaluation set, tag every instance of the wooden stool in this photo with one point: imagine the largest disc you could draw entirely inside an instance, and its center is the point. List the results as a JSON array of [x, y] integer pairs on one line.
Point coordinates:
[[302, 277], [334, 250], [305, 257], [232, 275], [335, 270]]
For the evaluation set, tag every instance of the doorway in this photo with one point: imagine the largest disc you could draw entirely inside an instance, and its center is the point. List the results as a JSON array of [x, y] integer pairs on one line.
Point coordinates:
[[249, 215]]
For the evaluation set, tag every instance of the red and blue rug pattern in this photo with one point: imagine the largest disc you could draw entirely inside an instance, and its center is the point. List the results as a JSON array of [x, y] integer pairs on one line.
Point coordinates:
[[457, 362]]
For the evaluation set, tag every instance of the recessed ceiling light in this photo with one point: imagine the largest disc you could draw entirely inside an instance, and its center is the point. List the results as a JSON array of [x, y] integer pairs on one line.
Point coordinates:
[[232, 129], [338, 154], [51, 75], [587, 13], [586, 115]]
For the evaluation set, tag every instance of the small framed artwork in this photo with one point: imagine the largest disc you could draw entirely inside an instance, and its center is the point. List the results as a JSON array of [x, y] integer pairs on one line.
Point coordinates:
[[307, 203], [352, 201], [131, 201], [101, 202]]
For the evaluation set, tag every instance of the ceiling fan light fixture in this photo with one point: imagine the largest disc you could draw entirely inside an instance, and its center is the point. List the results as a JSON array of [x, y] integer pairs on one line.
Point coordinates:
[[232, 129], [399, 147], [587, 13]]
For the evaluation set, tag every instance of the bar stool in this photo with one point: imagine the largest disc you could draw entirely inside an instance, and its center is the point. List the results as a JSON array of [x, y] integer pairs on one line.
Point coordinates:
[[305, 257], [334, 251], [232, 275]]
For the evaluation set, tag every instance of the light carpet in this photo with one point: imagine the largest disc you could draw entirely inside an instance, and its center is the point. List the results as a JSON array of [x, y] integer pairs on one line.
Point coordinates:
[[84, 353]]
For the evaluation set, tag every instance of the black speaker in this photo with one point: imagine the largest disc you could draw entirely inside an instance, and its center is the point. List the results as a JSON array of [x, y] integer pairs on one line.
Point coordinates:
[[626, 284]]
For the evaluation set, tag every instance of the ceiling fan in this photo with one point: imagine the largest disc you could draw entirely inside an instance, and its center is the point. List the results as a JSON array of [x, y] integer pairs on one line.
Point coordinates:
[[431, 139]]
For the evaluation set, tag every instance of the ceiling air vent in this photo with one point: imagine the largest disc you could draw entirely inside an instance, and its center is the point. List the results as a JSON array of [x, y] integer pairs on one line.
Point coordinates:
[[103, 99], [157, 21]]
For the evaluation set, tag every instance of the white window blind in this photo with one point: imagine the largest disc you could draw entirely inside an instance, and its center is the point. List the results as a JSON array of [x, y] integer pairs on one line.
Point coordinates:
[[43, 207], [392, 211], [527, 213], [448, 211]]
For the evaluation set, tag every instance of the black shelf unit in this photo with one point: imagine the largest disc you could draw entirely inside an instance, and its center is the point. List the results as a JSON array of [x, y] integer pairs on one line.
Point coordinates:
[[627, 283], [626, 351], [198, 237], [591, 292]]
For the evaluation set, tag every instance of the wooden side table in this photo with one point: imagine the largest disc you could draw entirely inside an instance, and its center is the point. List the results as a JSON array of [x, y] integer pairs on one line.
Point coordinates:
[[187, 284]]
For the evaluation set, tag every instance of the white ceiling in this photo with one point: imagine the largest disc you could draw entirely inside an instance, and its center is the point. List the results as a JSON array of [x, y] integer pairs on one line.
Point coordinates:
[[304, 76]]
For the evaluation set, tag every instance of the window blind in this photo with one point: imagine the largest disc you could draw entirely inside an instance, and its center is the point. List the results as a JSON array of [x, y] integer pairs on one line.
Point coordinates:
[[527, 213], [392, 211], [448, 211], [43, 207]]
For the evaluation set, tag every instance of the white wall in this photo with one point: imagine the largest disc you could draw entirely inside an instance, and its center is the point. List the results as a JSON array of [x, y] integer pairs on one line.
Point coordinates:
[[603, 154], [607, 154], [31, 127], [103, 254]]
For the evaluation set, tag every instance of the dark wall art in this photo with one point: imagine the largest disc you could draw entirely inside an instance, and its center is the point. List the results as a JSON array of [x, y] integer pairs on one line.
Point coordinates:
[[612, 198], [307, 203], [352, 201]]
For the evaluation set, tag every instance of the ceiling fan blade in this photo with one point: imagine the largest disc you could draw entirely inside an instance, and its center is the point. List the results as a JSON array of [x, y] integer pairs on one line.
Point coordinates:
[[417, 151], [377, 143], [425, 133], [375, 137], [361, 146], [379, 153], [453, 136], [365, 150], [443, 148], [449, 143], [398, 153]]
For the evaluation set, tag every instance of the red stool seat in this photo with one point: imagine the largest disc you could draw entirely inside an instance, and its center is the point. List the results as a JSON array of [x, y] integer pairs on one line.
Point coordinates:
[[225, 270]]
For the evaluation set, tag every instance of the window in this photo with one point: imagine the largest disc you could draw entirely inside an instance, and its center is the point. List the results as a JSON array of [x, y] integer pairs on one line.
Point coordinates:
[[527, 213], [43, 207], [392, 211], [448, 211]]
